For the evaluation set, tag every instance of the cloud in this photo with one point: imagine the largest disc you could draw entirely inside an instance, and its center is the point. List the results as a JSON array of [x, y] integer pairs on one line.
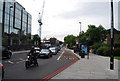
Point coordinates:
[[62, 17], [93, 9]]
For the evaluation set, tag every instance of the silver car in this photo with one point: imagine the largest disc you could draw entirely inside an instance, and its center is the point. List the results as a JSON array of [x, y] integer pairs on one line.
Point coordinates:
[[45, 53], [53, 50]]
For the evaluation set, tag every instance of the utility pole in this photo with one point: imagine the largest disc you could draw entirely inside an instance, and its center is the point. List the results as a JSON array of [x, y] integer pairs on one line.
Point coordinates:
[[112, 38]]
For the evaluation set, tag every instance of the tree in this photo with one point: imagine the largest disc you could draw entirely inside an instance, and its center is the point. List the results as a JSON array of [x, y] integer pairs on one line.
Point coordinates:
[[82, 37], [36, 39], [70, 40], [96, 34]]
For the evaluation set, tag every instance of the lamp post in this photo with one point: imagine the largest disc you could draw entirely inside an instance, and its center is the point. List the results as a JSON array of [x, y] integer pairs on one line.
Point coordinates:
[[9, 37], [112, 38], [80, 28]]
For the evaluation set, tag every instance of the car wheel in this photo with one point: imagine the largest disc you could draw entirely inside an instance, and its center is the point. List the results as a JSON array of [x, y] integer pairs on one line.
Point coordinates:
[[51, 55], [38, 57], [48, 56]]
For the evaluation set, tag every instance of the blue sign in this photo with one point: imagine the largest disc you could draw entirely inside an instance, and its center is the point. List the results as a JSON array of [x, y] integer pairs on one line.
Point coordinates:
[[84, 49]]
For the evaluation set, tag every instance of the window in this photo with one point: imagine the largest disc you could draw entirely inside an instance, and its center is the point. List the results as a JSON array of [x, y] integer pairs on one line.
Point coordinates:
[[6, 28], [6, 22], [0, 16], [1, 5]]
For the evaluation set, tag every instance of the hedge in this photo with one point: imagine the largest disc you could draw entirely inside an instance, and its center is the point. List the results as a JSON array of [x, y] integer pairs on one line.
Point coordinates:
[[105, 51]]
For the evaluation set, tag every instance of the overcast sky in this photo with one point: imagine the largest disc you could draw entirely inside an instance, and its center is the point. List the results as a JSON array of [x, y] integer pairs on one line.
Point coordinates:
[[62, 17]]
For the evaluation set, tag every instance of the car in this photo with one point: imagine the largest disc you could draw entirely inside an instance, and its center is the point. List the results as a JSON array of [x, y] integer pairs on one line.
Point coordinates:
[[6, 53], [37, 50], [58, 48], [1, 71], [53, 50], [45, 53]]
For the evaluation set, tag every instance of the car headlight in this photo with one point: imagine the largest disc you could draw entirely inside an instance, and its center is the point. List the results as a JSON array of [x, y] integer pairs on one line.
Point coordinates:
[[28, 56]]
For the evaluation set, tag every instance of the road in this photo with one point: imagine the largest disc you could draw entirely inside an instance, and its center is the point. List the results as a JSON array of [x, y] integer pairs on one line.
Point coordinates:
[[48, 67]]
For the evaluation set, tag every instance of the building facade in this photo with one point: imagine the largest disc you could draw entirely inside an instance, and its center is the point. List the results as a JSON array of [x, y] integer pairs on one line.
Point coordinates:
[[16, 25], [116, 37]]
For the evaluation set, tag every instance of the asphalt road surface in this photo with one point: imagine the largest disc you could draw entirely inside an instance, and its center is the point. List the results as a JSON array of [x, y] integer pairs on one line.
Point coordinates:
[[48, 67]]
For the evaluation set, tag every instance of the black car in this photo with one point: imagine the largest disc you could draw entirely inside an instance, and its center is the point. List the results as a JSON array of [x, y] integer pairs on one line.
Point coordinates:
[[45, 53], [6, 53]]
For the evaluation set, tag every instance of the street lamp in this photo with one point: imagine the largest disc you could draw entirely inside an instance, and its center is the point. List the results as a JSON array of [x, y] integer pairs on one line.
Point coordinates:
[[112, 38], [80, 28], [9, 37]]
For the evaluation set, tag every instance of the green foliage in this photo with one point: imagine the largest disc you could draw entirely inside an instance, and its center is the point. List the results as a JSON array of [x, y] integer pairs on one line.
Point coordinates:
[[117, 45], [103, 50], [36, 38], [117, 57], [117, 52], [95, 46], [70, 40], [96, 34], [83, 38]]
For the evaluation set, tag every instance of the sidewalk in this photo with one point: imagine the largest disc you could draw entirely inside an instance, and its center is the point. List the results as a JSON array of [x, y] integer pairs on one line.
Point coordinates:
[[96, 67]]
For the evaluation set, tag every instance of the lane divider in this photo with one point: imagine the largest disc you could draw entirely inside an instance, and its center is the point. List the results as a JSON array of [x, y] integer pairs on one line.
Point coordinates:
[[60, 56], [58, 71]]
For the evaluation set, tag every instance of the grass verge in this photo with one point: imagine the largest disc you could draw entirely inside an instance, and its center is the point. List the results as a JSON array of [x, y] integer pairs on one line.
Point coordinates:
[[117, 57]]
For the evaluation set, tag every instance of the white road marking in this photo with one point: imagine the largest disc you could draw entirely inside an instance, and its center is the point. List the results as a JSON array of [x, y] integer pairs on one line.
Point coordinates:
[[20, 61], [10, 62], [60, 55], [14, 61]]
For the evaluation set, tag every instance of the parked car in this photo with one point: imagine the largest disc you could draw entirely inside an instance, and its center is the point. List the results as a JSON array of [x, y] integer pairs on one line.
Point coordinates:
[[58, 48], [53, 50], [1, 71], [6, 53], [45, 53]]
